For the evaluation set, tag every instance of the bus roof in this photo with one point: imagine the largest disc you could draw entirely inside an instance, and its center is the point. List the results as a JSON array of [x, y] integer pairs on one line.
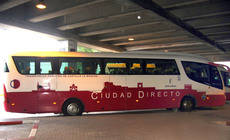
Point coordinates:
[[135, 54]]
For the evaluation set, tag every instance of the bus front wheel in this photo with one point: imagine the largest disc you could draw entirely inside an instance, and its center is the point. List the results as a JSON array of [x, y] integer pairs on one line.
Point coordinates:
[[72, 108], [187, 104]]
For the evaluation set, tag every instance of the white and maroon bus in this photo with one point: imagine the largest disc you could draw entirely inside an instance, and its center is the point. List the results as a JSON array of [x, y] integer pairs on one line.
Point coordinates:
[[225, 72], [72, 83]]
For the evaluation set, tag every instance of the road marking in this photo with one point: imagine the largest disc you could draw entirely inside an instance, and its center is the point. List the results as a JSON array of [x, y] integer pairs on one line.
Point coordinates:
[[34, 129]]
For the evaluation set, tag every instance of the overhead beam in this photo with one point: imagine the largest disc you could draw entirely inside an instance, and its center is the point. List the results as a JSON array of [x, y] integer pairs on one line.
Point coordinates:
[[218, 33], [97, 20], [209, 53], [155, 40], [117, 29], [138, 35], [157, 46], [183, 4], [182, 48], [199, 51], [225, 41], [212, 26], [12, 3], [64, 11], [206, 15], [149, 4]]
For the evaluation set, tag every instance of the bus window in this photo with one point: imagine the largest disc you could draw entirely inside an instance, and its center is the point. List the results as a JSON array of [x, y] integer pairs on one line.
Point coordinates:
[[203, 73], [135, 67], [46, 67], [197, 71], [80, 66], [226, 78], [25, 65], [115, 66], [6, 69], [215, 78], [70, 67], [161, 67]]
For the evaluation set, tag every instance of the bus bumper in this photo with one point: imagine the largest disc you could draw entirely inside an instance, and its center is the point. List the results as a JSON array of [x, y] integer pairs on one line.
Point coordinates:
[[212, 101], [227, 96]]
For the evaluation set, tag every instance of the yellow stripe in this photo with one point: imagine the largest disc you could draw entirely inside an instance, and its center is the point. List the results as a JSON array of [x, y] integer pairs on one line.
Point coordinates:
[[1, 94]]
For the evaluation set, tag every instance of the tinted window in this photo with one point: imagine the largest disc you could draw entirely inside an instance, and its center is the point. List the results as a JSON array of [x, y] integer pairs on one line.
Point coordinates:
[[226, 78], [135, 67], [203, 73], [197, 71], [116, 66], [80, 66], [6, 69], [25, 65], [161, 67], [46, 67], [215, 78]]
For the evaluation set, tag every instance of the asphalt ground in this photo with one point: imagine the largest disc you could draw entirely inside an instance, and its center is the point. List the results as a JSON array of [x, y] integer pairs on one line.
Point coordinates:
[[201, 124]]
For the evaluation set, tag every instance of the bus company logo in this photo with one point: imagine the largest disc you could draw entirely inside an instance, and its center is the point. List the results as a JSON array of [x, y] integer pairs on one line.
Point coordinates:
[[138, 92], [15, 84], [73, 87]]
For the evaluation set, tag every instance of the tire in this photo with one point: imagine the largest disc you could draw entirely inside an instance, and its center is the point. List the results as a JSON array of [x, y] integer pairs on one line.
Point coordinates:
[[72, 108], [187, 104]]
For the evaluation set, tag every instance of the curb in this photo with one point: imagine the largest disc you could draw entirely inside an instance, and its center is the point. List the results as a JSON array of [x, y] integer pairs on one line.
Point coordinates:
[[10, 122], [32, 133]]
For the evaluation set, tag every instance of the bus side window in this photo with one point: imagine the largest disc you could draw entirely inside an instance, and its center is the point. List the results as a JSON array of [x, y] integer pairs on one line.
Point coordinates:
[[161, 67], [6, 69], [115, 67], [226, 78], [46, 67], [203, 73], [25, 65], [92, 66], [69, 66], [215, 78], [79, 66], [135, 68], [197, 71]]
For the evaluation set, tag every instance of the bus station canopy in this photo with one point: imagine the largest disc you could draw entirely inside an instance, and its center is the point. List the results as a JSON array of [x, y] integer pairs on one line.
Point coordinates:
[[196, 26]]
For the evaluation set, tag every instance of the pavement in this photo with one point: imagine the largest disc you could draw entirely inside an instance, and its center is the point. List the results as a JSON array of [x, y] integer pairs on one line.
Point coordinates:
[[201, 124]]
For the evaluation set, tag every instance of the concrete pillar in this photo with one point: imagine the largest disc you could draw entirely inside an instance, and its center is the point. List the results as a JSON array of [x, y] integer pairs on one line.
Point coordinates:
[[72, 46]]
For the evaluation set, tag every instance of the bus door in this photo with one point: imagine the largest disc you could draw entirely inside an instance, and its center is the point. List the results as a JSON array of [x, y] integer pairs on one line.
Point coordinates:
[[46, 85], [116, 95]]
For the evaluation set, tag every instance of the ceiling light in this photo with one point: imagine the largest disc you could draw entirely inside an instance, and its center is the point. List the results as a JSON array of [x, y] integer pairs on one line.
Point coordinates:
[[138, 17], [130, 39], [41, 4]]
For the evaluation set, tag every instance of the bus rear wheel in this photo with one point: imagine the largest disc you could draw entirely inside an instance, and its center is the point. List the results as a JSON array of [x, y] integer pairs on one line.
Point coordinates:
[[72, 108], [187, 104]]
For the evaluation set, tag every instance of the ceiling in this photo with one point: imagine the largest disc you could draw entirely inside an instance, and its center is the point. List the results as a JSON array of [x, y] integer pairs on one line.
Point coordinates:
[[196, 26]]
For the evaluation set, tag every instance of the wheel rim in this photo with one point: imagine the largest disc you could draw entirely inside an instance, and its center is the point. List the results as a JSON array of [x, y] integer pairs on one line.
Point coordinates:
[[187, 105], [72, 109]]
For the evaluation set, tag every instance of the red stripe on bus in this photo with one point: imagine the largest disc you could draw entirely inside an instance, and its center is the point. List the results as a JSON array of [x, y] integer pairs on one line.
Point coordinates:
[[111, 98]]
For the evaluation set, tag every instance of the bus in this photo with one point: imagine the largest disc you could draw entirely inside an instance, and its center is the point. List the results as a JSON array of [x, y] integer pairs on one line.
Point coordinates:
[[225, 72], [72, 83]]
